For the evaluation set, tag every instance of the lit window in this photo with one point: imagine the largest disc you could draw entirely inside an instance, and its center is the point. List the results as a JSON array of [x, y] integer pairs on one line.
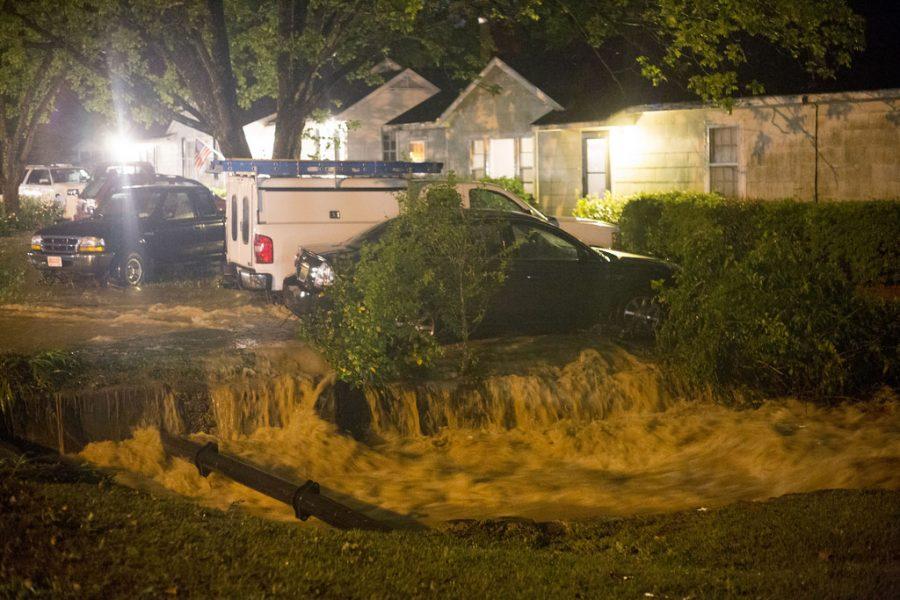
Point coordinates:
[[723, 160], [476, 159], [417, 151], [389, 146], [526, 163]]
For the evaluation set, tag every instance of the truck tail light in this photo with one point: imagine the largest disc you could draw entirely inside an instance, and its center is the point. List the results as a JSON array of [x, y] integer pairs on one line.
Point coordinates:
[[263, 249]]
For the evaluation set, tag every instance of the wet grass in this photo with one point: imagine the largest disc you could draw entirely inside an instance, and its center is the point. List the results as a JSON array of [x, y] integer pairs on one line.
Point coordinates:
[[72, 532]]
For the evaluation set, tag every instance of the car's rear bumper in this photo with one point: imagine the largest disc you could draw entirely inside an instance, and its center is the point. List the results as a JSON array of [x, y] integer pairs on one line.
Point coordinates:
[[73, 264]]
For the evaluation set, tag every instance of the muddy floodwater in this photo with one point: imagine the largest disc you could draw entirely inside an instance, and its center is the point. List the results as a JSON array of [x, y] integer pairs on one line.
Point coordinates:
[[575, 431]]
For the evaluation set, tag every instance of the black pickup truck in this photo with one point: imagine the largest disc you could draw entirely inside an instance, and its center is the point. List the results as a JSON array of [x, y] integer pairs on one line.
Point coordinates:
[[133, 232]]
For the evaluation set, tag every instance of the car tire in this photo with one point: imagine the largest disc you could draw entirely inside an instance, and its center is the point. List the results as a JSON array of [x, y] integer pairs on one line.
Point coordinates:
[[640, 316], [133, 269]]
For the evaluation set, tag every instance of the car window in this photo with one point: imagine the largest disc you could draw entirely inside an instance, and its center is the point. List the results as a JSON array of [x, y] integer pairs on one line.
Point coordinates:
[[39, 177], [245, 221], [481, 198], [69, 175], [234, 217], [534, 243], [206, 207], [142, 204], [177, 206]]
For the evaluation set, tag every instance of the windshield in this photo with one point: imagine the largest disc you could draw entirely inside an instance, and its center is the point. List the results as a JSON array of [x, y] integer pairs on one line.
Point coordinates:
[[129, 204], [69, 175], [368, 236]]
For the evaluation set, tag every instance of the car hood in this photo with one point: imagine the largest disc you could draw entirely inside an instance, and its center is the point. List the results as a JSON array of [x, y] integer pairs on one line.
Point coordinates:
[[87, 227], [637, 261]]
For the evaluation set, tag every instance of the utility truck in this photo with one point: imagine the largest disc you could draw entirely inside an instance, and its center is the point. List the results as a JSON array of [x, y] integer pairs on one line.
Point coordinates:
[[275, 207]]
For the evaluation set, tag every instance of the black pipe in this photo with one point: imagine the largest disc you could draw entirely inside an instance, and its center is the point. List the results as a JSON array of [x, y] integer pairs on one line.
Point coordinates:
[[304, 499]]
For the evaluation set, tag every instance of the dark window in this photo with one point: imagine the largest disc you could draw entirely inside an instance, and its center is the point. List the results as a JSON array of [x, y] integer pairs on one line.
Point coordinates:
[[39, 177], [234, 218], [534, 243], [178, 207], [143, 204], [481, 198], [389, 145], [245, 220], [69, 175], [206, 206]]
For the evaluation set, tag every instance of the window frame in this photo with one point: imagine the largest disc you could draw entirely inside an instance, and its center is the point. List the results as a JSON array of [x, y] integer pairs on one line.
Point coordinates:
[[589, 135], [389, 146], [736, 165]]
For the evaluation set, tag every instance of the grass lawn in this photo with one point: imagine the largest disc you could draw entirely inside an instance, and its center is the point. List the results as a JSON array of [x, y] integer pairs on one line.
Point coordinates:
[[73, 532]]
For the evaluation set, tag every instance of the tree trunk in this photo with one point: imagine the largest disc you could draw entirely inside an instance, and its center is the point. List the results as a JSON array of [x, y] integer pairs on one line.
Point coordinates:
[[12, 175], [289, 125], [10, 188]]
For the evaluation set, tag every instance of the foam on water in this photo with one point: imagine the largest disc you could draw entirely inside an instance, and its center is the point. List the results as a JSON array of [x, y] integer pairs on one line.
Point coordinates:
[[601, 435]]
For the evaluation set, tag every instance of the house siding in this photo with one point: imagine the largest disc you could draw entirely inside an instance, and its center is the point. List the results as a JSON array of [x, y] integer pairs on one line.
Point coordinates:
[[661, 150]]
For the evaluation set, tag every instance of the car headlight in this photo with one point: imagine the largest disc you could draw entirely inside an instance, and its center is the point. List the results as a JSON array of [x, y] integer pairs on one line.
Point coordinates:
[[36, 242], [322, 275], [91, 244]]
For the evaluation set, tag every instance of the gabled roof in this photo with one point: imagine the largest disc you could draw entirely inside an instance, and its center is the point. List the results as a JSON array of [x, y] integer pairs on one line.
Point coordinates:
[[344, 95], [499, 64], [440, 106]]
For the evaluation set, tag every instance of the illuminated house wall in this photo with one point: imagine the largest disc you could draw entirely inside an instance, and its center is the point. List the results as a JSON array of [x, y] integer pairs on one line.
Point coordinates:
[[773, 156]]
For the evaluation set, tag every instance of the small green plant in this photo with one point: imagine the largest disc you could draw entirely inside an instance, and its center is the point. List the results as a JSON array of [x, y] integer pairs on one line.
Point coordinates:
[[31, 216], [434, 269], [23, 377], [608, 208]]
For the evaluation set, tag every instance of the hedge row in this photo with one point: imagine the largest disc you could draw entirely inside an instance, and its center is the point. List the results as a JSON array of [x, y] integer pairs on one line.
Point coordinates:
[[781, 297]]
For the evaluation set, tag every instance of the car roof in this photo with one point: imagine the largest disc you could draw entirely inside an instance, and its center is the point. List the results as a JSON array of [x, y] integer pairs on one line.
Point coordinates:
[[160, 186]]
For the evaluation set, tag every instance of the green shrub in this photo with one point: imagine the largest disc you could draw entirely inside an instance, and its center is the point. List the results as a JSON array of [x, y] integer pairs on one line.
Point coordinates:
[[432, 267], [608, 208], [31, 216], [774, 295]]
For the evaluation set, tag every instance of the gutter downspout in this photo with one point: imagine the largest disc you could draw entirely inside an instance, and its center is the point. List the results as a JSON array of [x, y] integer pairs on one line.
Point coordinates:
[[815, 148]]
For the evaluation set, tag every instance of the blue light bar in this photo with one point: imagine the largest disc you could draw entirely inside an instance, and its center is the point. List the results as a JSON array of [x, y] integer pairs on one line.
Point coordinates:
[[344, 168]]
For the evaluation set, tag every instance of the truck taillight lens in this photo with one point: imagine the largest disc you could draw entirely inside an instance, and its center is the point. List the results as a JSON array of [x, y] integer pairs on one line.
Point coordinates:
[[263, 249]]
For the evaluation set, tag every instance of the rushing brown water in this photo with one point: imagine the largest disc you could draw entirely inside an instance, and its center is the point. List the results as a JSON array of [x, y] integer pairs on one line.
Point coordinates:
[[597, 436]]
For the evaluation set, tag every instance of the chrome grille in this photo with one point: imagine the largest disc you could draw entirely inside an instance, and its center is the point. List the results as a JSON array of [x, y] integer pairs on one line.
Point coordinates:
[[59, 245]]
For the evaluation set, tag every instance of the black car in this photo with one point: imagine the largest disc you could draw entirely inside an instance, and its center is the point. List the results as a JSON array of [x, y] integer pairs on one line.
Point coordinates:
[[136, 230], [554, 281]]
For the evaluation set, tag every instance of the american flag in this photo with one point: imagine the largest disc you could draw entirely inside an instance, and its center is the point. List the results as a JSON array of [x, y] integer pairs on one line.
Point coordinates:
[[202, 153]]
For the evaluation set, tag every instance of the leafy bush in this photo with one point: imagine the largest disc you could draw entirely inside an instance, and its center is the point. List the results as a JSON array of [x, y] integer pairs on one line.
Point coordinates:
[[773, 295], [432, 268], [608, 208], [513, 185], [31, 216]]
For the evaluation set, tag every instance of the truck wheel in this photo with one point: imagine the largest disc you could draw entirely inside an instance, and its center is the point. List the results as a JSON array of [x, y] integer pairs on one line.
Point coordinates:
[[133, 270]]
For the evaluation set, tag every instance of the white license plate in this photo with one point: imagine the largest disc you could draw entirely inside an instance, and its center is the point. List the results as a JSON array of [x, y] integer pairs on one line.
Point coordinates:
[[54, 261]]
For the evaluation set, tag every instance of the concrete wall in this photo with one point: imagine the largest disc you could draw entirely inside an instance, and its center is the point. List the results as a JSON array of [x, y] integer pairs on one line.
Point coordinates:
[[660, 150]]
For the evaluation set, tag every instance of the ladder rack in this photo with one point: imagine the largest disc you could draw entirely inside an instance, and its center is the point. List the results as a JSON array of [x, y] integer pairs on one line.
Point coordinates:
[[342, 168]]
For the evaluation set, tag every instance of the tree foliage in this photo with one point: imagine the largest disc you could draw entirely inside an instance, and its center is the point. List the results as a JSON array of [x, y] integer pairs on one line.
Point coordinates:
[[435, 270], [706, 45]]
